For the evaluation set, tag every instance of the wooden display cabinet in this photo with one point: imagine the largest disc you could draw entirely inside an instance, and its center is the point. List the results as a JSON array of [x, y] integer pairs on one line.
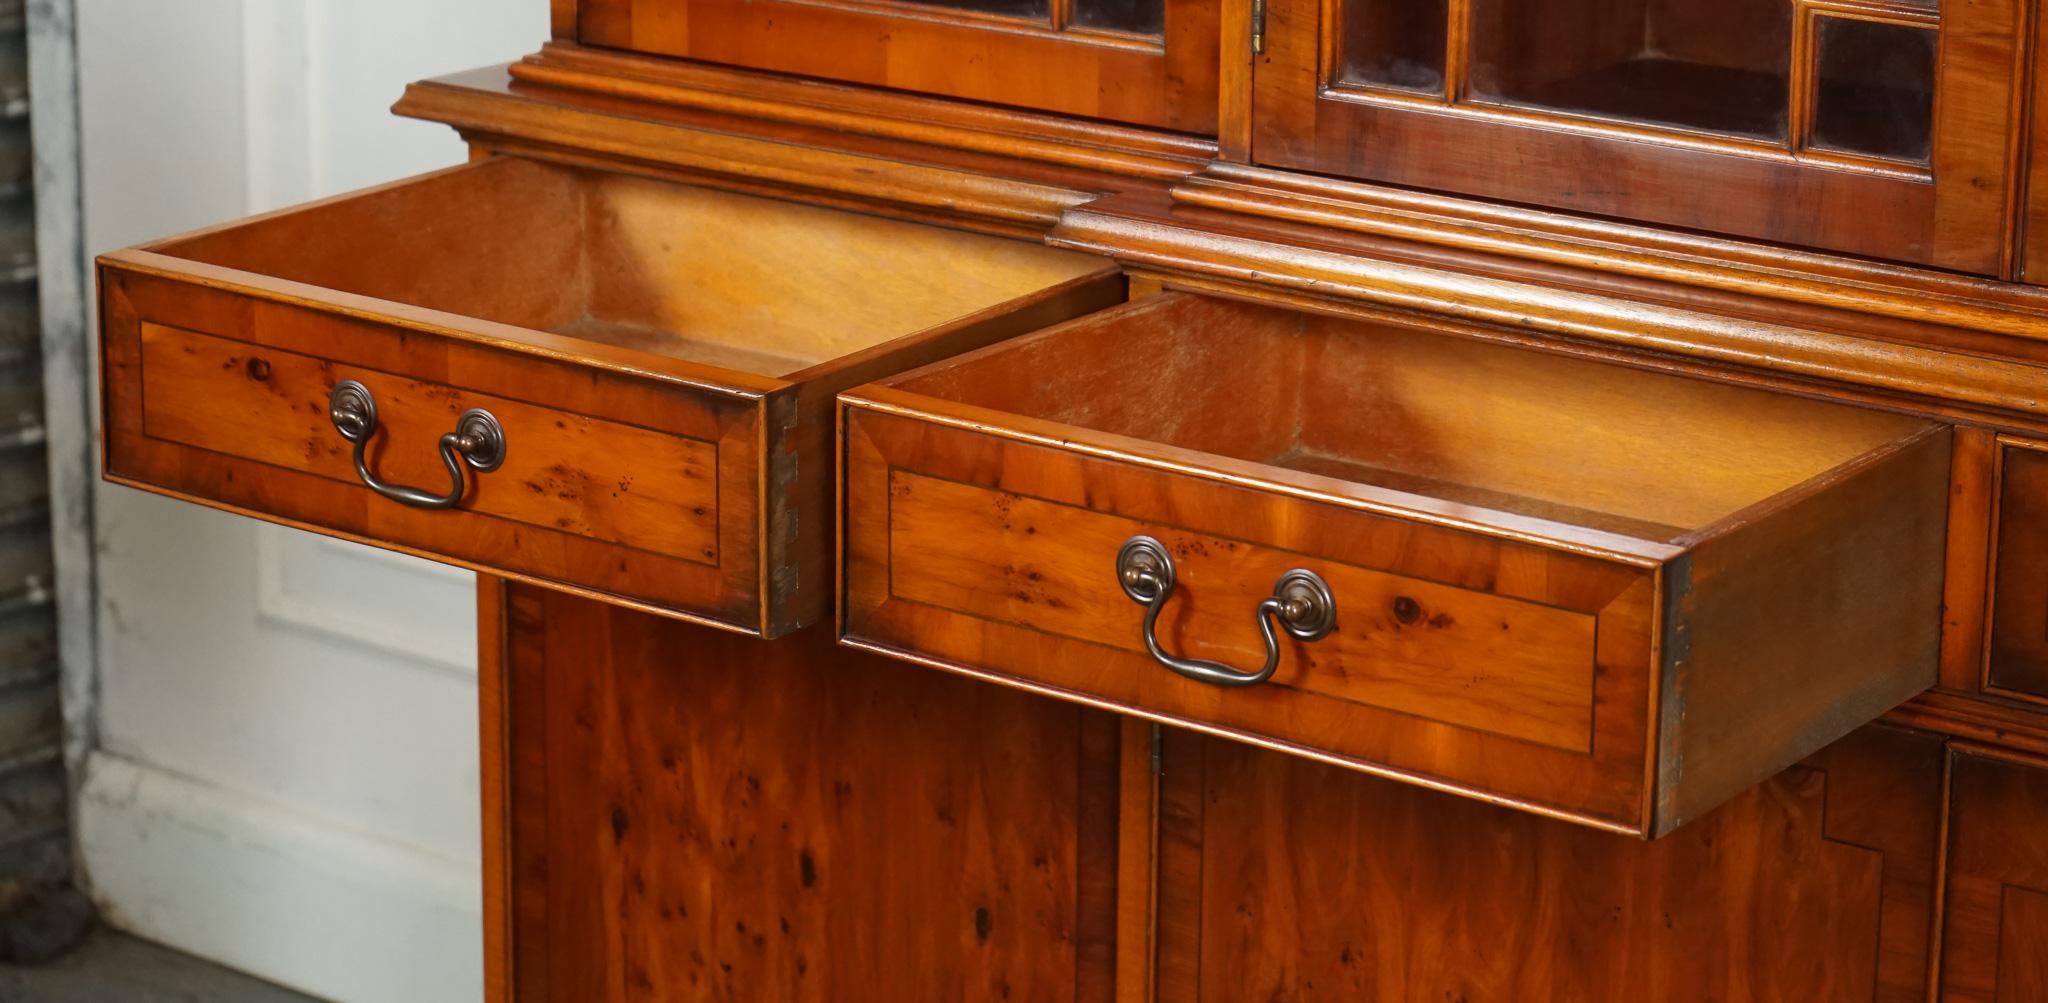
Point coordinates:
[[1084, 500]]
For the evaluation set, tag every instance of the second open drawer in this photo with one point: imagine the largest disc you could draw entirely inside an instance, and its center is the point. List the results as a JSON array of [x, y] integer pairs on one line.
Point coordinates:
[[1604, 593]]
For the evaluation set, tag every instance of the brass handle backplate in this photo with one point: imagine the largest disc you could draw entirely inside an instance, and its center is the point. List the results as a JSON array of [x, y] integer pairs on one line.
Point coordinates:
[[478, 440], [1301, 602]]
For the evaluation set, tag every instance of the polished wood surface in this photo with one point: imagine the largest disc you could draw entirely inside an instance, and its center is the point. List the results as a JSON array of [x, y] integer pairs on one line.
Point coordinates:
[[1167, 79], [1318, 884], [1976, 375], [977, 157], [944, 129], [1534, 604], [684, 274], [2017, 664], [1971, 502], [665, 388], [1995, 932], [699, 815], [305, 351], [261, 404]]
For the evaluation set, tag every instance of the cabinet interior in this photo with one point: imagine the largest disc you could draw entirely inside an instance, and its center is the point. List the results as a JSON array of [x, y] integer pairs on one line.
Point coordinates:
[[758, 285], [1496, 427]]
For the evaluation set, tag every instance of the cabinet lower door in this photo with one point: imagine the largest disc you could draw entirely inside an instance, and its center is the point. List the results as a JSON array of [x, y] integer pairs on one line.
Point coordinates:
[[1283, 879], [679, 813], [1995, 934]]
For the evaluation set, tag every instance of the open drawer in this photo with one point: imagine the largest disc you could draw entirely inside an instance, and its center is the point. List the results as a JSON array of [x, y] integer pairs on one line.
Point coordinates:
[[1604, 593], [601, 381]]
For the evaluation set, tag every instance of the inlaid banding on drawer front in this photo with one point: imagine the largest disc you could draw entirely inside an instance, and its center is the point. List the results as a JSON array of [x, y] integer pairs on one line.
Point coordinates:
[[563, 471], [1480, 661], [1079, 636]]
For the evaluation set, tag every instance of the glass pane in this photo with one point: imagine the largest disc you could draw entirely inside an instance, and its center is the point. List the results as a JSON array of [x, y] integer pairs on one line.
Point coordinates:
[[1036, 10], [1143, 17], [1875, 90], [1708, 65], [1397, 44]]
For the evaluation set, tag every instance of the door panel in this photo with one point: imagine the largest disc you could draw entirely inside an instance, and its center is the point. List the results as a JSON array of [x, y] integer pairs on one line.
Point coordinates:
[[690, 814], [1284, 879], [1995, 934]]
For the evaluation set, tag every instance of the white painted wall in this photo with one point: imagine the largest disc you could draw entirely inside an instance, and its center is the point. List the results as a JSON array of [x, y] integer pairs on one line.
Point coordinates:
[[285, 772]]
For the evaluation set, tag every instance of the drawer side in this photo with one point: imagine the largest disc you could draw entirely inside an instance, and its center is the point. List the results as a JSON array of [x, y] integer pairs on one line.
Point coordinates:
[[1800, 623]]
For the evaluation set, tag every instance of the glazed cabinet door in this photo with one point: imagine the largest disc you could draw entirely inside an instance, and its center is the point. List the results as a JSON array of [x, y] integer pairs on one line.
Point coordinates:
[[1143, 62], [1879, 127], [1283, 879], [1995, 936]]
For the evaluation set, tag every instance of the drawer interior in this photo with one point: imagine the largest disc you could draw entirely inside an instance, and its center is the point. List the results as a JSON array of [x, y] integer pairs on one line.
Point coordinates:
[[740, 282], [1473, 423]]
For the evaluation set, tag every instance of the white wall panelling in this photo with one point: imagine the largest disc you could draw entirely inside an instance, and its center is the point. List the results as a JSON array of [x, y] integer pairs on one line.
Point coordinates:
[[285, 771], [263, 889], [315, 583], [68, 369]]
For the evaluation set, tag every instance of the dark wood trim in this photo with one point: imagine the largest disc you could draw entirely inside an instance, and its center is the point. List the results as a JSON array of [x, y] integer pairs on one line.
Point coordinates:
[[495, 759], [773, 97], [485, 107], [1965, 610], [1992, 723], [1861, 285]]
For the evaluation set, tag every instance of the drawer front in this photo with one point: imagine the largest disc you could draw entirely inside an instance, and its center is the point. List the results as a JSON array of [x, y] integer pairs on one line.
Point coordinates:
[[1511, 670], [626, 486], [2018, 664]]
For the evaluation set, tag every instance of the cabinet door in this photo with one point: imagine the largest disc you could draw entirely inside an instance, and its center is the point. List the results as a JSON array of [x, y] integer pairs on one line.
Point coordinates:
[[679, 813], [1285, 879], [1145, 62], [1879, 128], [1995, 937]]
